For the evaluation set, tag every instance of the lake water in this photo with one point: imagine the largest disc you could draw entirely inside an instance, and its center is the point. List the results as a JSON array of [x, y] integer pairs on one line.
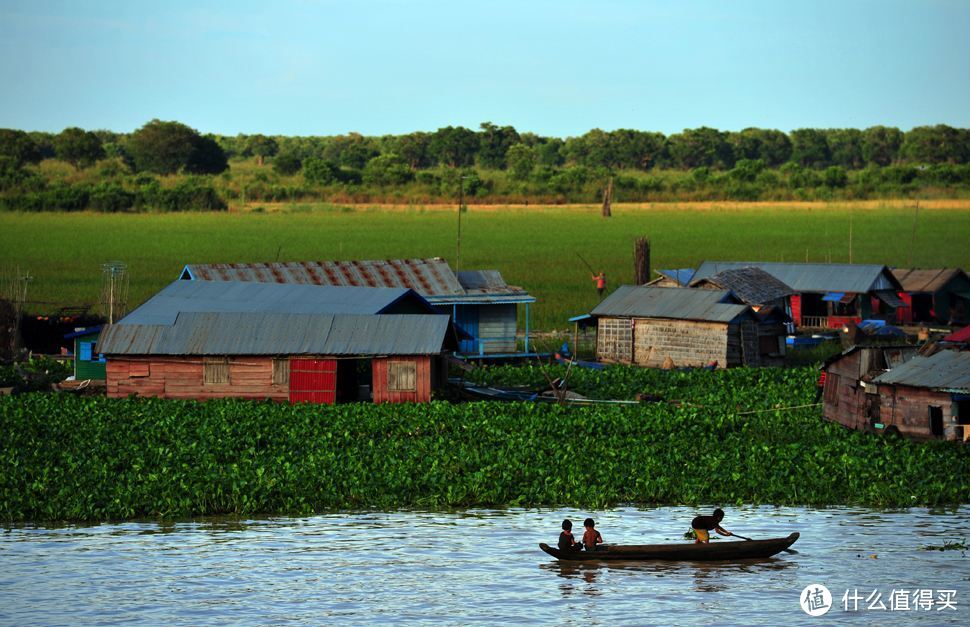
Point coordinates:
[[480, 566]]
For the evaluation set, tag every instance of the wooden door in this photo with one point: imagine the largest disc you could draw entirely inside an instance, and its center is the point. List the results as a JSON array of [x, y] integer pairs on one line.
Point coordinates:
[[313, 381]]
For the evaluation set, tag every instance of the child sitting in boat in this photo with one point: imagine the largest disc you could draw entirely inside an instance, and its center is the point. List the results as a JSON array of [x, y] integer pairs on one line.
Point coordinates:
[[703, 525], [591, 537], [566, 540]]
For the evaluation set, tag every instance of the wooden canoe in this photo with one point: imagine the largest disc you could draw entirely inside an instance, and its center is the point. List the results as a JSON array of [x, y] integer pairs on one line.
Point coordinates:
[[731, 550]]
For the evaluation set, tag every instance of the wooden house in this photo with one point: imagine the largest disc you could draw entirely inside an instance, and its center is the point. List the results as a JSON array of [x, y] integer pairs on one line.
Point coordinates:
[[480, 302], [849, 396], [297, 343], [826, 295], [658, 326], [928, 397], [933, 296], [88, 363], [678, 277]]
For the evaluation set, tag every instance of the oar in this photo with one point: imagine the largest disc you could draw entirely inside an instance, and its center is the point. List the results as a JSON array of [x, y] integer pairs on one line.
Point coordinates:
[[792, 551]]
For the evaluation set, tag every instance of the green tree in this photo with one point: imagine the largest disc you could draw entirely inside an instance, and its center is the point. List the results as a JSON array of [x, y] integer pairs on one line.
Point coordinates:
[[845, 145], [454, 146], [352, 150], [262, 146], [494, 142], [389, 169], [287, 163], [320, 172], [880, 144], [78, 147], [549, 152], [701, 147], [771, 146], [935, 144], [170, 147], [19, 146], [413, 148], [521, 161], [810, 148]]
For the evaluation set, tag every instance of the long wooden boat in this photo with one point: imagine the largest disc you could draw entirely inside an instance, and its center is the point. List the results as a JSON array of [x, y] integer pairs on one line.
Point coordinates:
[[731, 550]]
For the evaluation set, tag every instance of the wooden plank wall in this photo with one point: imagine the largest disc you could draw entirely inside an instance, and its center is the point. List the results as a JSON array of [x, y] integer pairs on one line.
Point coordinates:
[[908, 409], [423, 382], [496, 328], [181, 377]]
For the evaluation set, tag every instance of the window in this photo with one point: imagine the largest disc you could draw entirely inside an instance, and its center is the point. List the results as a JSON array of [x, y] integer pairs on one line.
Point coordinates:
[[215, 370], [401, 376], [281, 371]]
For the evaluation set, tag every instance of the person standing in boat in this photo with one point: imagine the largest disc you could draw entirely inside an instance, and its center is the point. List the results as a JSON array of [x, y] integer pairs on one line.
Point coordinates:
[[567, 542], [703, 525], [591, 537]]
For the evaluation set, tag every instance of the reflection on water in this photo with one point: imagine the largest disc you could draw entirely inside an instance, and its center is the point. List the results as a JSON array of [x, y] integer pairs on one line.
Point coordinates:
[[459, 567]]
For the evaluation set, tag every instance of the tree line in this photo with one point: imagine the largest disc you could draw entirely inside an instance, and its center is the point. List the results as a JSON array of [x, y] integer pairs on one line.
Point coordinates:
[[697, 163]]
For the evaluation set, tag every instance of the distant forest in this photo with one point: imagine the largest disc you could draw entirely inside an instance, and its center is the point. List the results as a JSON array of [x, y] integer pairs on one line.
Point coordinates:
[[168, 166]]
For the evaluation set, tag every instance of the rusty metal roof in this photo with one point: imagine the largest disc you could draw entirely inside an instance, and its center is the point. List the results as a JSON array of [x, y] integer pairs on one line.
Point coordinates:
[[814, 277], [928, 280], [251, 297], [946, 371], [431, 278], [280, 334], [752, 285], [631, 301]]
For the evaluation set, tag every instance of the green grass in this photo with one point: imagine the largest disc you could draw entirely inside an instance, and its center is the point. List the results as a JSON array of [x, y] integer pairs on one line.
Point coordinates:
[[535, 247]]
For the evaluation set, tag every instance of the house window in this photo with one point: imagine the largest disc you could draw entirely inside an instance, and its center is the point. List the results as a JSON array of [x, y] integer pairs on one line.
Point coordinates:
[[831, 388], [401, 376], [281, 371], [215, 370]]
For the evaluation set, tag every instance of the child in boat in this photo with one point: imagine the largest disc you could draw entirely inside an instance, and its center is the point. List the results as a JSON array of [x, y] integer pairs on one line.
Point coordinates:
[[566, 540], [591, 537], [703, 525]]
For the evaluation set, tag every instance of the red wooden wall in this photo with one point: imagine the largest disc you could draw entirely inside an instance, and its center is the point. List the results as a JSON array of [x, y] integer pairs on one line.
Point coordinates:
[[423, 382], [313, 381]]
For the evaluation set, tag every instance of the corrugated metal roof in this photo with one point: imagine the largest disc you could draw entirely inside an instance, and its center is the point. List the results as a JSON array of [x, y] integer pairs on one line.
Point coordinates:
[[431, 278], [243, 297], [814, 277], [752, 285], [927, 280], [945, 371], [279, 334], [682, 276], [963, 335], [671, 302]]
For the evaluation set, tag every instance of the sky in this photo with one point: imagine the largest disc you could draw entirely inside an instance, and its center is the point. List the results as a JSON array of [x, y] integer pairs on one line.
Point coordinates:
[[555, 68]]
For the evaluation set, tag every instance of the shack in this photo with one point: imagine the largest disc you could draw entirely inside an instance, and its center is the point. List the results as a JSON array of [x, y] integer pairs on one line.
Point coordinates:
[[849, 396], [88, 363], [928, 397], [677, 277], [933, 296], [296, 343], [480, 302], [826, 295], [662, 326]]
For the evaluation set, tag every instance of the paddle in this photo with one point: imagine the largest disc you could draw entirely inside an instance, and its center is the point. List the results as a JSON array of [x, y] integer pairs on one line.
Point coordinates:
[[792, 551]]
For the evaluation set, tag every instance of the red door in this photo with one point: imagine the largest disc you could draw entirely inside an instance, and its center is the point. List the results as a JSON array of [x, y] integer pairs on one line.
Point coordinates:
[[313, 381]]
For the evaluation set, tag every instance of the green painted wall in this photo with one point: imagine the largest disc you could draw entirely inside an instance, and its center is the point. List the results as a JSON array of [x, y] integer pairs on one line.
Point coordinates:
[[86, 363]]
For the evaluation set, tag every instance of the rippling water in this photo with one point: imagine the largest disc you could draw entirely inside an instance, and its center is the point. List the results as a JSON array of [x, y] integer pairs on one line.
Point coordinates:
[[474, 566]]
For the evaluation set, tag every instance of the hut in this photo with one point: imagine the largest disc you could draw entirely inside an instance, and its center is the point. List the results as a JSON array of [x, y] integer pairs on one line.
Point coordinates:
[[933, 296], [928, 397], [480, 302], [678, 277], [658, 326], [88, 363], [849, 397], [826, 295], [297, 343]]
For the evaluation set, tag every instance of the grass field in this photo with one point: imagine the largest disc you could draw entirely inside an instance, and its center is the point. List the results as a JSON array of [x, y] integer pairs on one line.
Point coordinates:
[[535, 247]]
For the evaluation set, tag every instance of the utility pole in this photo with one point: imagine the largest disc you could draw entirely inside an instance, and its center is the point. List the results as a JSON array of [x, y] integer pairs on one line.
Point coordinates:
[[461, 209]]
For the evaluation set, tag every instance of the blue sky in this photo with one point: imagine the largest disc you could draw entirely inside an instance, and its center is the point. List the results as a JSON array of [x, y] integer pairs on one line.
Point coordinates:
[[305, 67]]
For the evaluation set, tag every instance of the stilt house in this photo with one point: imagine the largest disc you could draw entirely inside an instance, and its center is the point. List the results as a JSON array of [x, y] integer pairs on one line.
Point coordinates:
[[933, 296]]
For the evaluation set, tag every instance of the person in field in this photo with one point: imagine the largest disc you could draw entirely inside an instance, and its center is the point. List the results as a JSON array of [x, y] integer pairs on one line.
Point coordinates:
[[600, 283], [591, 537], [567, 542], [703, 525]]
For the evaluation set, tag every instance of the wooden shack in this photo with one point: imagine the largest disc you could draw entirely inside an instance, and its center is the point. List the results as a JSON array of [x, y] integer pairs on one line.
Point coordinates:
[[657, 326], [480, 302], [933, 296], [928, 397], [296, 343], [849, 396], [826, 295]]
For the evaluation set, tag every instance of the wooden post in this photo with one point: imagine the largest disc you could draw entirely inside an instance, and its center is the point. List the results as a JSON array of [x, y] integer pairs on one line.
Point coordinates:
[[641, 261], [608, 199]]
